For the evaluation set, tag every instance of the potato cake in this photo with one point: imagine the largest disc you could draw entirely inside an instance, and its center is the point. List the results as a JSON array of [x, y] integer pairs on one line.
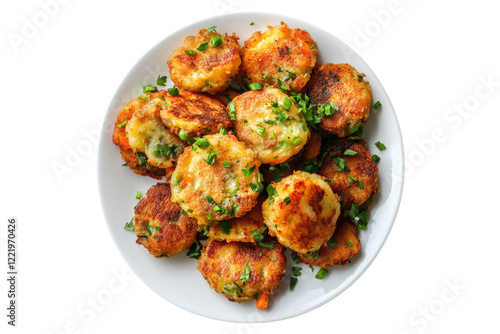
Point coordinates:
[[160, 225], [243, 270], [212, 179], [352, 170], [207, 62], [279, 55], [268, 121], [146, 133], [194, 114], [342, 85], [301, 211], [340, 248]]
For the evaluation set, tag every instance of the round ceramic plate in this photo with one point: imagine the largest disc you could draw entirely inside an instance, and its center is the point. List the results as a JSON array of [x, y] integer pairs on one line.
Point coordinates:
[[176, 279]]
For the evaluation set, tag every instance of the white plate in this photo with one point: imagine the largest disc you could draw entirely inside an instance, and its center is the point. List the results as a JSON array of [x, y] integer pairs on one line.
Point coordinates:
[[176, 279]]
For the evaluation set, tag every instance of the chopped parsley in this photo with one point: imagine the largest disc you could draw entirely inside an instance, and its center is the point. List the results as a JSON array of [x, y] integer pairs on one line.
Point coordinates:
[[380, 146], [375, 158], [149, 89], [129, 226], [350, 152], [225, 227], [287, 200], [297, 271], [293, 283], [246, 172], [209, 30], [173, 91], [202, 47], [245, 275], [321, 273], [161, 81], [211, 158]]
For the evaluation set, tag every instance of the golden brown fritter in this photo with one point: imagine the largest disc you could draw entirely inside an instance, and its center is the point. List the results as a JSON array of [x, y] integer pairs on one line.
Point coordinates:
[[202, 64], [241, 227], [304, 212], [159, 224], [342, 85], [147, 134], [119, 133], [281, 53], [242, 270], [208, 190], [268, 122], [346, 245], [195, 113], [356, 183], [312, 148], [142, 168]]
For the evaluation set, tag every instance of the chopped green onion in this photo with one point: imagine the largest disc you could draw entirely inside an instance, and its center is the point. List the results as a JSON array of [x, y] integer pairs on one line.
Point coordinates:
[[223, 131], [211, 158], [380, 146], [246, 172], [226, 164], [122, 124], [209, 199], [271, 191], [260, 130], [257, 236], [360, 78], [209, 30], [287, 200], [295, 257], [138, 194], [265, 77], [190, 210], [266, 245], [215, 41], [296, 271], [255, 86], [375, 158], [293, 283], [210, 216], [321, 273], [245, 275], [377, 105], [350, 152], [232, 111], [202, 47], [202, 143], [190, 52], [183, 135]]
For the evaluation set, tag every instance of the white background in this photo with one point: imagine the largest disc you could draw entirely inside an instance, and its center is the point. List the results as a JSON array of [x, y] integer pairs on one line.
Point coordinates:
[[436, 272]]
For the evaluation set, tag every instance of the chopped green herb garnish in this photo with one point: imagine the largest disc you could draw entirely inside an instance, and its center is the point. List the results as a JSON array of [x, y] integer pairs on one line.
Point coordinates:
[[341, 163], [266, 245], [380, 146], [232, 111], [251, 23], [358, 216], [257, 236], [246, 172], [260, 130], [358, 134], [332, 242], [266, 77], [202, 47], [190, 52], [255, 86], [215, 41], [377, 105], [223, 131], [210, 216], [287, 200], [297, 271], [245, 275], [138, 194], [360, 78], [143, 160], [259, 187], [375, 158], [209, 199], [202, 143], [209, 30], [350, 152], [232, 289], [293, 283], [295, 257], [207, 230], [190, 210], [173, 91], [211, 158], [122, 124], [328, 180], [321, 273], [225, 227], [129, 226], [151, 229], [348, 243], [149, 89], [194, 251], [161, 80], [226, 164], [271, 191], [183, 135]]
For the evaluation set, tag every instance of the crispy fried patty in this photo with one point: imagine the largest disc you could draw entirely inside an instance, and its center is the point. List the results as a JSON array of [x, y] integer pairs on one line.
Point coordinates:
[[212, 179], [203, 65], [357, 181], [242, 270], [269, 122], [304, 212], [137, 162], [159, 224], [344, 245], [195, 113], [281, 53], [348, 90]]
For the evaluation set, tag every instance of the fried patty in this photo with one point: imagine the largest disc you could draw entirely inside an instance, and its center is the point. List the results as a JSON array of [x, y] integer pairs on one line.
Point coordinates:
[[211, 181], [357, 181], [195, 113], [281, 53], [242, 270], [160, 225], [342, 85], [201, 64], [268, 122], [142, 167], [344, 245], [303, 213], [146, 133], [242, 227]]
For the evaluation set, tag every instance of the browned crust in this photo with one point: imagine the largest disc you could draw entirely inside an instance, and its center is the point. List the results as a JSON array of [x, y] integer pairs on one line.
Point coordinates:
[[361, 167], [338, 83], [348, 244], [131, 159], [177, 231]]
